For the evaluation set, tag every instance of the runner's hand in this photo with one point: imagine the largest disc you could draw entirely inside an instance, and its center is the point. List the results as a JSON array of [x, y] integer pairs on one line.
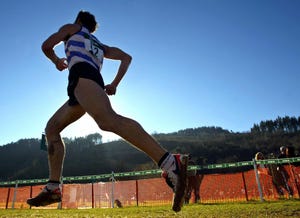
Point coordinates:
[[61, 64], [110, 89]]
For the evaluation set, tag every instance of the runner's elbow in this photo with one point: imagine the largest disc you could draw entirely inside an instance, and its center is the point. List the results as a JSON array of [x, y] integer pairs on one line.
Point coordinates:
[[46, 47], [127, 58]]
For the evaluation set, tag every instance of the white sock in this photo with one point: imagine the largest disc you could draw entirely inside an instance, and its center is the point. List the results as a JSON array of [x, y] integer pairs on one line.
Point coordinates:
[[169, 163], [52, 185]]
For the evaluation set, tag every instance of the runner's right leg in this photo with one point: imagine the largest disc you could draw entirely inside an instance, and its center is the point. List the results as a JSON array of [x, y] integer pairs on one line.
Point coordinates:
[[95, 101], [56, 151]]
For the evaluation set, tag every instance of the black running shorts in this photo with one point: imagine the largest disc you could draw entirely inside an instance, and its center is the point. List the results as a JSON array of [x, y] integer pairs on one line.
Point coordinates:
[[82, 70]]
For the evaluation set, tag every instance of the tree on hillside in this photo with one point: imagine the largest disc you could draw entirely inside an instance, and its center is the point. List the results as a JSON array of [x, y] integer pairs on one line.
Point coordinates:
[[88, 156], [280, 125]]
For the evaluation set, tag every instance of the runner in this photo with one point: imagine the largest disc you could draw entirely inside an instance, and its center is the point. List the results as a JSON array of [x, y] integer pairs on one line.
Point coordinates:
[[88, 94]]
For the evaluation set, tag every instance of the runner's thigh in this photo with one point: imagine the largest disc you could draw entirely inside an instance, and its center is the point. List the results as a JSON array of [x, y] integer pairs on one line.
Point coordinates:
[[64, 116], [94, 100]]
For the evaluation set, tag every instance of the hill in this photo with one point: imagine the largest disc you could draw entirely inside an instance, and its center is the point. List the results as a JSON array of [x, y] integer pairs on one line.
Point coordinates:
[[88, 155]]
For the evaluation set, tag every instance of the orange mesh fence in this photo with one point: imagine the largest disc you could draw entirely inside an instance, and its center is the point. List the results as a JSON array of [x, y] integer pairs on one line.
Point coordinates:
[[218, 187], [153, 192], [4, 193], [149, 192], [21, 195], [77, 196], [251, 188], [102, 195], [124, 191]]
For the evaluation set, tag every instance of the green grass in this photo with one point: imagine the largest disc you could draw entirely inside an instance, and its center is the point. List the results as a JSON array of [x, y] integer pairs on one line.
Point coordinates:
[[278, 209]]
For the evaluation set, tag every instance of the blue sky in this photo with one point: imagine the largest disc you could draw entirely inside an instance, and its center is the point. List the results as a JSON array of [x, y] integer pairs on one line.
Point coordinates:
[[226, 63]]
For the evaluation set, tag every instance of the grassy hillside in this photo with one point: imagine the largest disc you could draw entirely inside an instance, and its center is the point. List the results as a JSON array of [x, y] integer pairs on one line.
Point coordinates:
[[89, 156]]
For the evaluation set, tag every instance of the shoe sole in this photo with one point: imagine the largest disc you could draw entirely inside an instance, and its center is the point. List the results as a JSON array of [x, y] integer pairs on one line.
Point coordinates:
[[178, 198], [38, 202]]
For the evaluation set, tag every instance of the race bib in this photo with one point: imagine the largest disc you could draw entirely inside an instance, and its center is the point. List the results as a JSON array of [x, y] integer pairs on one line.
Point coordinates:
[[94, 47]]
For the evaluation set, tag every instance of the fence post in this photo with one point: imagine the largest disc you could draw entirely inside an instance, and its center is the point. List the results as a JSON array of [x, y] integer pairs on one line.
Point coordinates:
[[93, 198], [137, 192], [112, 178], [245, 187], [15, 195], [257, 180], [30, 194], [7, 199]]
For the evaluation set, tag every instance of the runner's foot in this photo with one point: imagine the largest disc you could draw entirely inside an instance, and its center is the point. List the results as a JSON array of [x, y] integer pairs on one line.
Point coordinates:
[[45, 198], [176, 178]]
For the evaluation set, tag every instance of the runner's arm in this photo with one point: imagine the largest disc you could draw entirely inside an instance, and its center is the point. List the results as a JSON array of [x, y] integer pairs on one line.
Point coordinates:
[[56, 38], [117, 54]]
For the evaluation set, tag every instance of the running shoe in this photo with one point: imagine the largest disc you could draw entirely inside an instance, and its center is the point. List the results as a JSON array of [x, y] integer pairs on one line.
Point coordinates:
[[177, 180], [45, 198]]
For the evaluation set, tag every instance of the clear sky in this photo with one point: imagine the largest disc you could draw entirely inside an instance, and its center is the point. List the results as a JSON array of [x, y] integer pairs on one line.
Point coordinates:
[[226, 63]]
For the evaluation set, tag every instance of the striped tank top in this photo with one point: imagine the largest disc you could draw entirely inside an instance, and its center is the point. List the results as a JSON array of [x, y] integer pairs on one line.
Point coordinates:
[[84, 47]]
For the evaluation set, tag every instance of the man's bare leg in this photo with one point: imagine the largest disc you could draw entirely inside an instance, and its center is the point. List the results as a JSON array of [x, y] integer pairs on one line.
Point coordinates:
[[95, 102], [56, 148], [56, 153]]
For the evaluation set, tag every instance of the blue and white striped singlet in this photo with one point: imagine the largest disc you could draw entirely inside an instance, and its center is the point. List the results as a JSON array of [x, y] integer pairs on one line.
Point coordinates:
[[84, 47]]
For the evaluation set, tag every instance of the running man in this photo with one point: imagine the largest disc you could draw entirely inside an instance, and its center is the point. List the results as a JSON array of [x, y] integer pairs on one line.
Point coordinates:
[[88, 94]]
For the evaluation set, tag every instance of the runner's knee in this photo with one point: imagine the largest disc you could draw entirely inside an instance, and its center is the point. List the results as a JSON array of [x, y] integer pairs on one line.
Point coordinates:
[[110, 123], [107, 126], [52, 130]]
